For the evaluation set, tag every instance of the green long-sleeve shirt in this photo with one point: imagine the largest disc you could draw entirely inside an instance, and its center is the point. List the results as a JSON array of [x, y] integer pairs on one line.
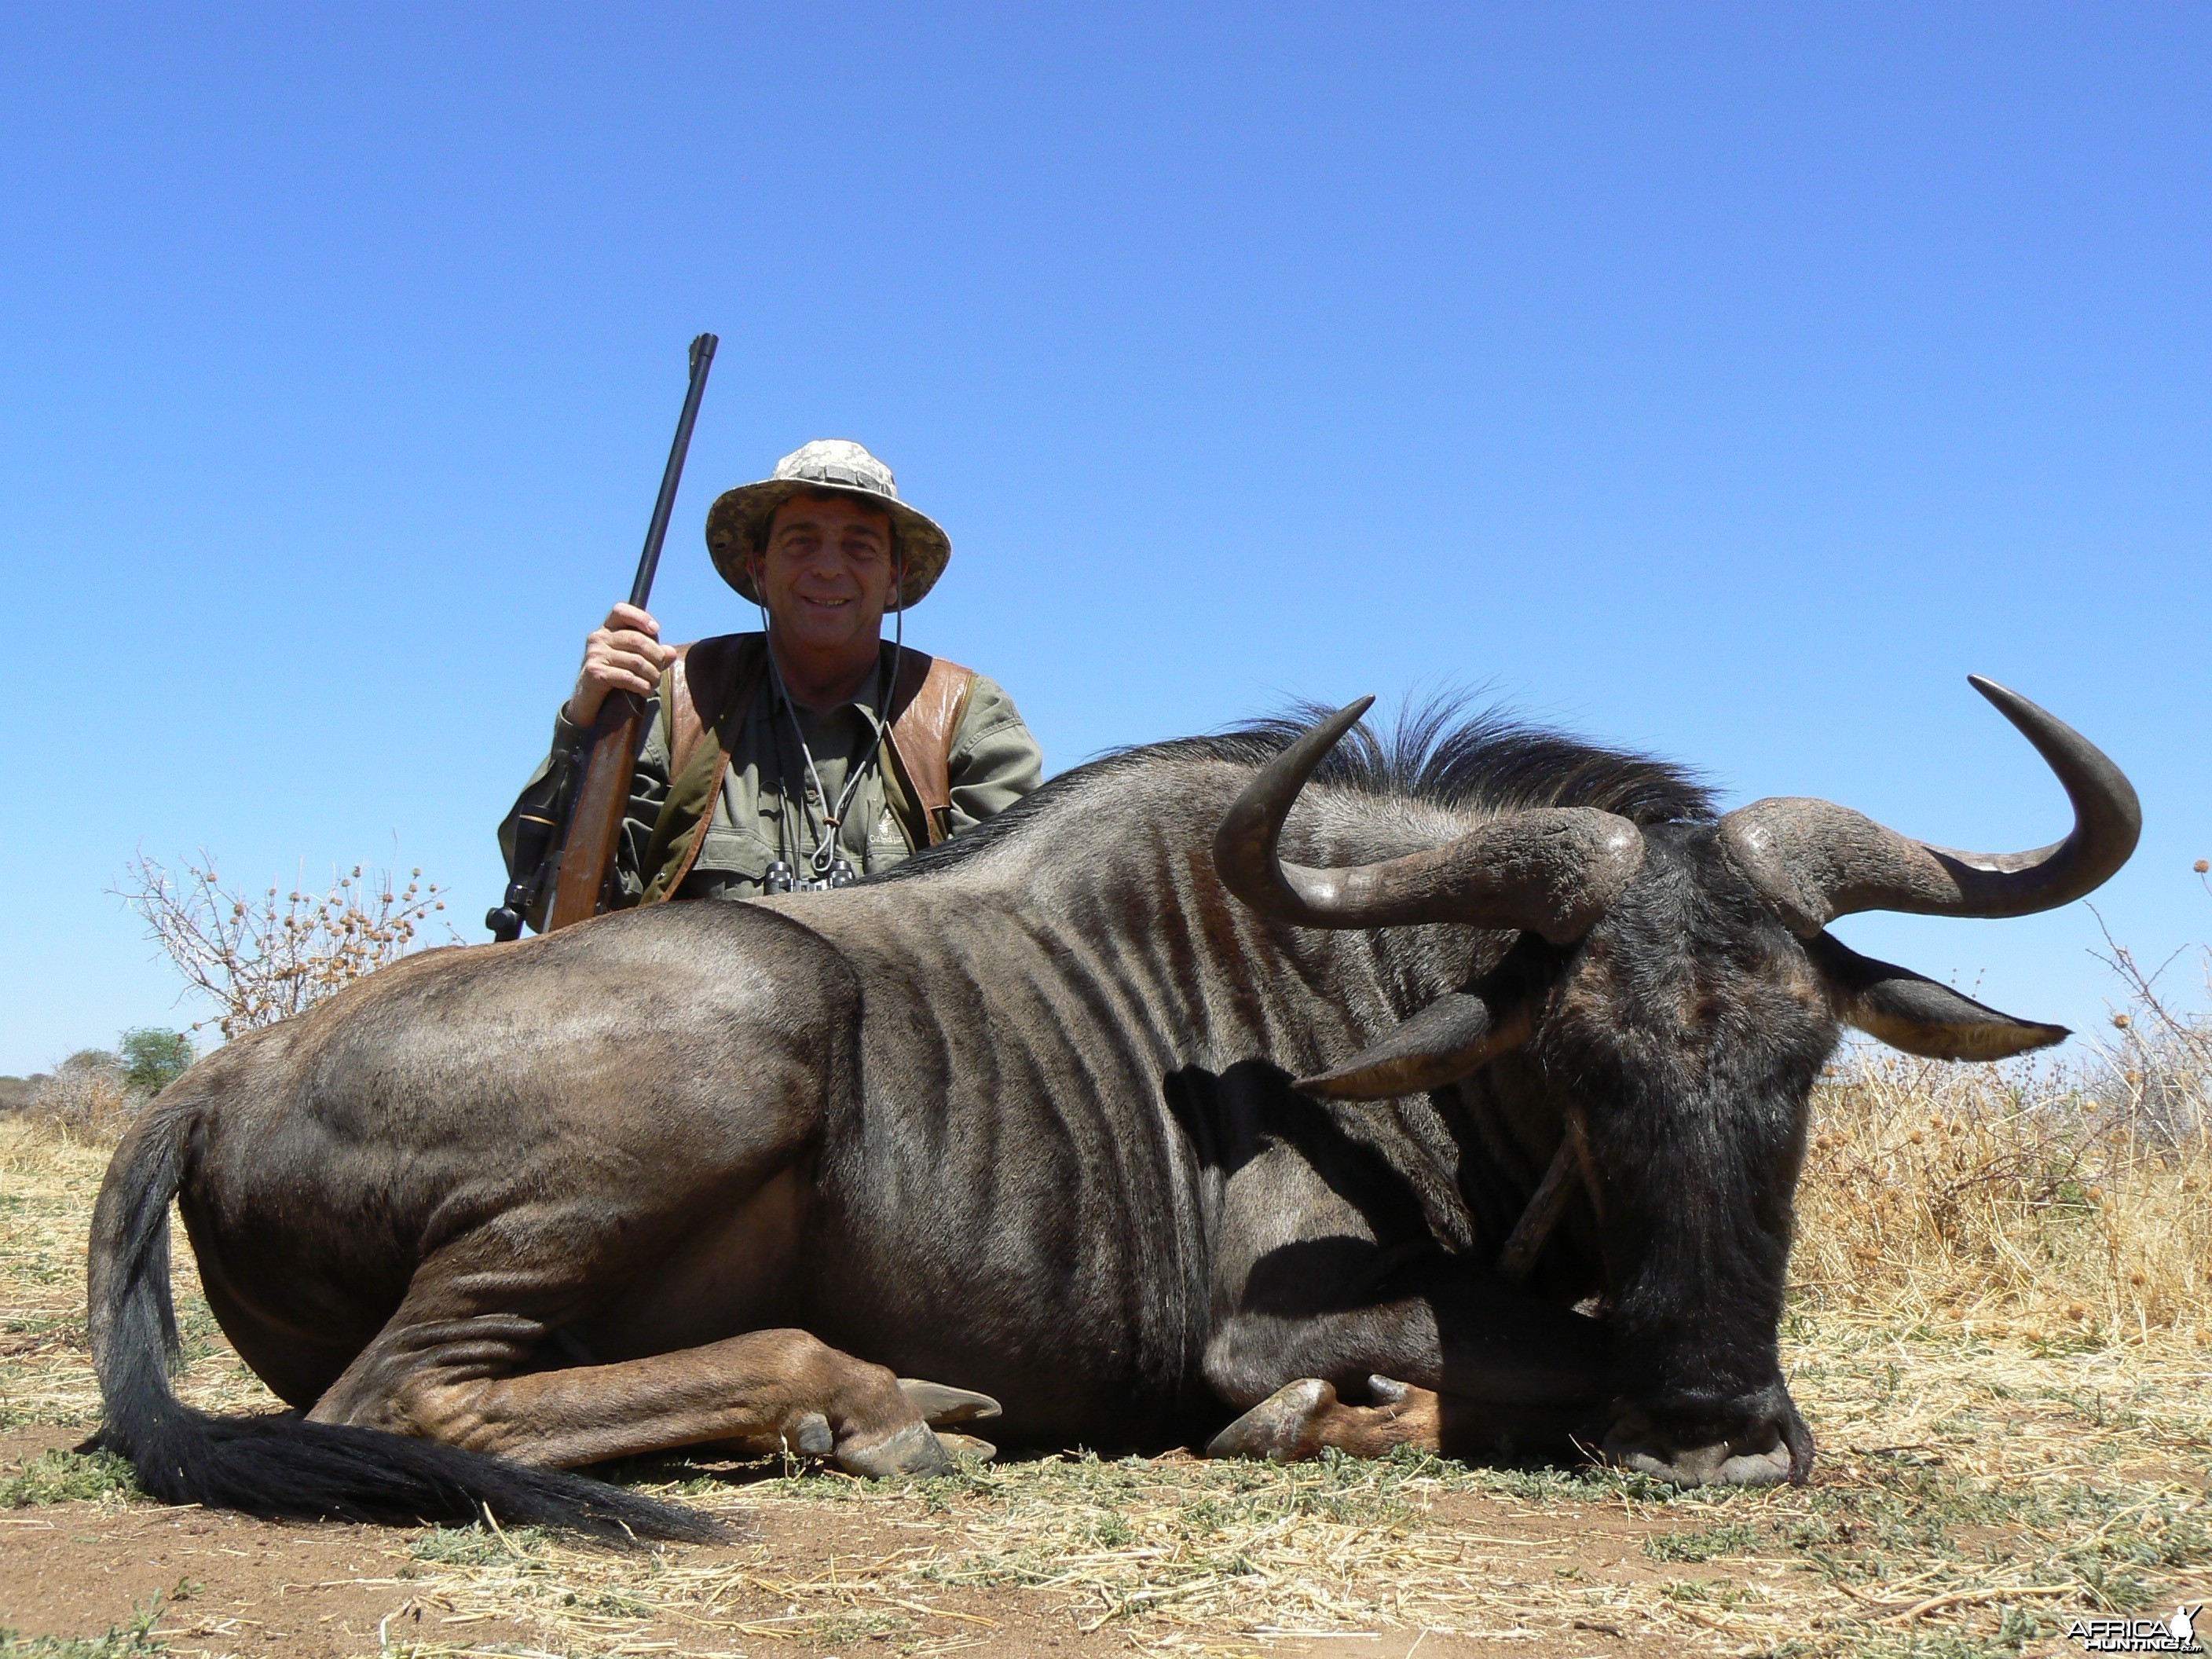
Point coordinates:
[[767, 810]]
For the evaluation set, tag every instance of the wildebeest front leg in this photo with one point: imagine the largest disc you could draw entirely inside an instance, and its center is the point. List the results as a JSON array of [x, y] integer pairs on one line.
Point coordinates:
[[1300, 1418], [1454, 1361]]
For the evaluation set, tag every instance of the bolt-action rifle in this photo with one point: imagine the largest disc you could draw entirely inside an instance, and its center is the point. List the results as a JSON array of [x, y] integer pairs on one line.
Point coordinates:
[[582, 847]]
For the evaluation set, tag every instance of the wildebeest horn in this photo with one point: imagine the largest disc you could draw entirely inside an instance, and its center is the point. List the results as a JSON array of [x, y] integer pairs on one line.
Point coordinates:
[[1813, 860], [1549, 870]]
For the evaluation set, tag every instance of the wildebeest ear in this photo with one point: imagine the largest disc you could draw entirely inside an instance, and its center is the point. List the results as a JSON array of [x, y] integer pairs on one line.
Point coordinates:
[[1459, 1033], [1912, 1012]]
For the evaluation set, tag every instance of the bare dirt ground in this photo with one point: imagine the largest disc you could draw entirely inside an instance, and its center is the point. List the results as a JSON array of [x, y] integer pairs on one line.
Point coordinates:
[[1975, 1492]]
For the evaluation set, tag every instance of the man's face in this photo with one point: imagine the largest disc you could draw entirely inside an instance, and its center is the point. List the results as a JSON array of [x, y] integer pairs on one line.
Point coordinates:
[[827, 572]]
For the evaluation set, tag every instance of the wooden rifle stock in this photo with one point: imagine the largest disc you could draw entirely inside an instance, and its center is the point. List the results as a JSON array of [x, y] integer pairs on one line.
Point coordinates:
[[595, 825], [594, 836]]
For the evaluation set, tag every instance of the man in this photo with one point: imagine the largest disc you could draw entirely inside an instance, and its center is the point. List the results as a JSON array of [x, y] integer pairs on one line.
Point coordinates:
[[811, 754]]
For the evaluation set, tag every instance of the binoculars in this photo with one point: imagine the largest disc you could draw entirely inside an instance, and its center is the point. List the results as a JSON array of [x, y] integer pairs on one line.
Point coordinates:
[[783, 879]]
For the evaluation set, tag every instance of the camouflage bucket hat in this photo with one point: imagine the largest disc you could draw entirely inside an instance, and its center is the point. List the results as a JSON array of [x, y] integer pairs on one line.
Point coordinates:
[[740, 518]]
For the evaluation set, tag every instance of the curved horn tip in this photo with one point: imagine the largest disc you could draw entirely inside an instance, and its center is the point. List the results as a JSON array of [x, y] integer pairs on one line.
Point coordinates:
[[1349, 715], [1303, 756], [1308, 751], [2028, 717], [2002, 697], [2053, 738], [1244, 843]]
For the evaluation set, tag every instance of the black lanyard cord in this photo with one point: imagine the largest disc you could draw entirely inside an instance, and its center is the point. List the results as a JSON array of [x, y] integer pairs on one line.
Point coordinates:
[[833, 816], [825, 840]]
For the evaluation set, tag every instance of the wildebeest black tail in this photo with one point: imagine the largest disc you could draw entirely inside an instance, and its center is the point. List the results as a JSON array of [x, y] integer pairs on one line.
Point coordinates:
[[281, 1465]]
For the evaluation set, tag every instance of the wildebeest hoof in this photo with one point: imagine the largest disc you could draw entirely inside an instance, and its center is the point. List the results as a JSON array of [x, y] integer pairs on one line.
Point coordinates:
[[1737, 1460], [1285, 1426], [1769, 1444], [1711, 1465], [811, 1436], [913, 1453], [966, 1445], [940, 1405]]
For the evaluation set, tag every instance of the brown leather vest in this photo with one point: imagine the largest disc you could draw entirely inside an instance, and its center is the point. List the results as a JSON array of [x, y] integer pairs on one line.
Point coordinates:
[[711, 687]]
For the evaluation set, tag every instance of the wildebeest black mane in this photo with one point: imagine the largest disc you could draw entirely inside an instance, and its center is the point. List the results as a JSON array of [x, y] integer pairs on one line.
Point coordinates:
[[1436, 751]]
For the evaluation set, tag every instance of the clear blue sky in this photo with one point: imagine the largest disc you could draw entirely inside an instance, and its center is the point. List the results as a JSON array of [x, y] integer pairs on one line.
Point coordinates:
[[1725, 380]]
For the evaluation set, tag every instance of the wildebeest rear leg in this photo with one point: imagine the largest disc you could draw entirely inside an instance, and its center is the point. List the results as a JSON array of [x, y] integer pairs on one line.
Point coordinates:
[[461, 1381], [1454, 1361]]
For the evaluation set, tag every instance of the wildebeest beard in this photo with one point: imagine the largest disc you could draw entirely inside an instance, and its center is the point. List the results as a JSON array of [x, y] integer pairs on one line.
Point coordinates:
[[1208, 1084]]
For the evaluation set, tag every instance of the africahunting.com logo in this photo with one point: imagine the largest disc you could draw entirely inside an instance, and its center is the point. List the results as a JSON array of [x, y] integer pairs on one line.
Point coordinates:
[[2174, 1635]]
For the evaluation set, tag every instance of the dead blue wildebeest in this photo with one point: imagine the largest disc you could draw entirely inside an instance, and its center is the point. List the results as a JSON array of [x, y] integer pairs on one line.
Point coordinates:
[[1459, 1098]]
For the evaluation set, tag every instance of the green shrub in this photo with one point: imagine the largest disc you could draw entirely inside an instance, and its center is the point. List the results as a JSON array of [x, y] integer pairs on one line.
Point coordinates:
[[152, 1059]]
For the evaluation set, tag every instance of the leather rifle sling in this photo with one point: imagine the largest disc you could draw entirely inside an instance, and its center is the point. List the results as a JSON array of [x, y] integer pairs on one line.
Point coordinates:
[[928, 702], [710, 687]]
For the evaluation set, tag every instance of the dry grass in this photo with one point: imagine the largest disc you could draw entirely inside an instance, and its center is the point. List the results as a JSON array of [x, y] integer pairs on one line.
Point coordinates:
[[1999, 1336], [86, 1097], [2010, 1202], [50, 1173]]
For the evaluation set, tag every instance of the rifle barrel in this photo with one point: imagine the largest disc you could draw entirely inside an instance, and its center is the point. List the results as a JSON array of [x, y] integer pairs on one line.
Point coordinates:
[[585, 842], [702, 359]]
